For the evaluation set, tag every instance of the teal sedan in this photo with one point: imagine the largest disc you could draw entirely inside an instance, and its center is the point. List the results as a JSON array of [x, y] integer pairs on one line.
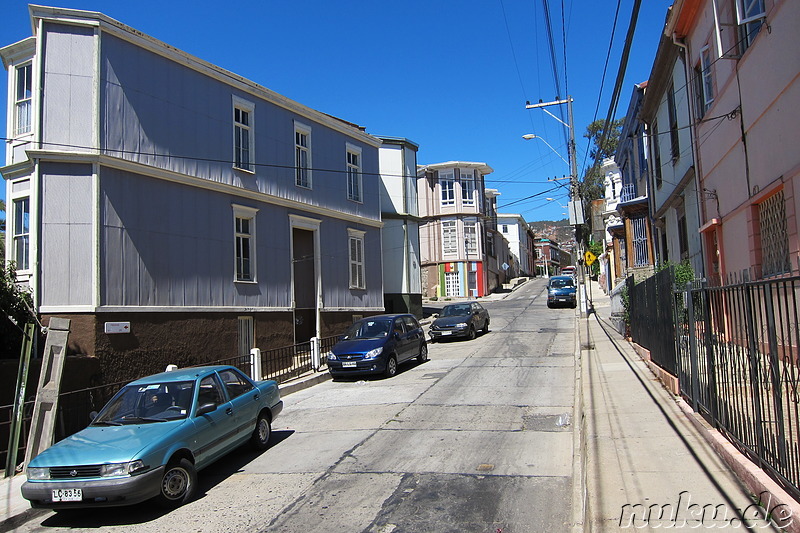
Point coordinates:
[[152, 438]]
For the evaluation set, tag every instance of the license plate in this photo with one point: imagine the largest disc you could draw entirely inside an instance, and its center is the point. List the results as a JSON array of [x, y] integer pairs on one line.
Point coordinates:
[[447, 333], [67, 495], [348, 364]]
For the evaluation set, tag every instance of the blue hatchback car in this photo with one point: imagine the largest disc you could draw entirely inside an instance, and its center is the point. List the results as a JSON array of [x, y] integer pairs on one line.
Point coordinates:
[[376, 345], [152, 437]]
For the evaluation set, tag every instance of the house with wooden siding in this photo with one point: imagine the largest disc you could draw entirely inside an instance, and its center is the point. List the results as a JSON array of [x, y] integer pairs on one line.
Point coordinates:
[[150, 188], [402, 278], [452, 242]]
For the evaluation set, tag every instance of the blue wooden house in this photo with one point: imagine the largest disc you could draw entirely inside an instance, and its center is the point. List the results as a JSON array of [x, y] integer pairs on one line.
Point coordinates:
[[153, 193]]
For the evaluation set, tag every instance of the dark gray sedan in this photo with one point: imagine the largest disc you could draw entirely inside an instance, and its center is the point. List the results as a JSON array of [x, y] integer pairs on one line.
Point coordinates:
[[460, 320]]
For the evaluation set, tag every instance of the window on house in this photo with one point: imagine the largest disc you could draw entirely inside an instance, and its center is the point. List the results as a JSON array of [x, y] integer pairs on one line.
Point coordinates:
[[750, 16], [471, 237], [356, 259], [467, 187], [21, 233], [490, 244], [243, 134], [656, 155], [449, 237], [244, 235], [683, 238], [302, 156], [641, 257], [774, 235], [447, 183], [704, 84], [23, 100], [673, 124], [354, 173]]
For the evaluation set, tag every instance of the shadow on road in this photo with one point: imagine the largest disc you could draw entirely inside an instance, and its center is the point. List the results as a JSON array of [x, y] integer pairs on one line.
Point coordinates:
[[148, 511]]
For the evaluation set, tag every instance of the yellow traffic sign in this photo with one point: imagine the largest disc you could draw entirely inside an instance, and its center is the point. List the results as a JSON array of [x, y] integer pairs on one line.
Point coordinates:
[[589, 258]]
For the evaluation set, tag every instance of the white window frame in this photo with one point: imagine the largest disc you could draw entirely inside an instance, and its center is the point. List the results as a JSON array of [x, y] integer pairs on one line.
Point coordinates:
[[355, 183], [302, 173], [21, 238], [23, 101], [706, 79], [449, 237], [742, 6], [471, 237], [467, 186], [355, 247], [243, 106], [241, 212], [447, 183]]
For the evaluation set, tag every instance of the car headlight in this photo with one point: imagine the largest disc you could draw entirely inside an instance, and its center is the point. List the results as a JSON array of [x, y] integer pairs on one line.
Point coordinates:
[[330, 356], [373, 353], [121, 469], [461, 325], [38, 473]]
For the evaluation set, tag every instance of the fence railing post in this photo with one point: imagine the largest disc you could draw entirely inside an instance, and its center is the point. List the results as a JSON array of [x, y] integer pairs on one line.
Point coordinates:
[[755, 374], [695, 373], [255, 364], [775, 374], [315, 356]]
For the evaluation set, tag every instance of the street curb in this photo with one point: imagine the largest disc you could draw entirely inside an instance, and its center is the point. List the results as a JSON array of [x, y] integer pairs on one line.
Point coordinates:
[[303, 383], [579, 488], [755, 479], [13, 522]]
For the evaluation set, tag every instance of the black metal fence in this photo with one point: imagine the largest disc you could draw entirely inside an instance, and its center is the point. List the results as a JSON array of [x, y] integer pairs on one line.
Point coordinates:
[[280, 364], [738, 367], [652, 318]]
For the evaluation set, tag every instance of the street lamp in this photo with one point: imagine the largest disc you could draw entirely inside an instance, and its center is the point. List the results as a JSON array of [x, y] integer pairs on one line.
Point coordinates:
[[529, 136]]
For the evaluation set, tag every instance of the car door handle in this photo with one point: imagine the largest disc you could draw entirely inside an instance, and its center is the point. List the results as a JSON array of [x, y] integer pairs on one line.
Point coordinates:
[[256, 397], [228, 411]]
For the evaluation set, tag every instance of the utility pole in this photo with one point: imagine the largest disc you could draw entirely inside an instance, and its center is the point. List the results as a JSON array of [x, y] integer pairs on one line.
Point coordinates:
[[575, 203]]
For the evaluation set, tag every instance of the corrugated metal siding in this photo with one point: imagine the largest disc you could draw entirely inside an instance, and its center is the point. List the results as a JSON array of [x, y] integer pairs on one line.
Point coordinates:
[[161, 113], [66, 237], [336, 266], [167, 244], [68, 83]]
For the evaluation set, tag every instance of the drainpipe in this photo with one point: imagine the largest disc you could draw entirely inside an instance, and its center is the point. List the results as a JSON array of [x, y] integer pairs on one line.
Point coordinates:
[[701, 203]]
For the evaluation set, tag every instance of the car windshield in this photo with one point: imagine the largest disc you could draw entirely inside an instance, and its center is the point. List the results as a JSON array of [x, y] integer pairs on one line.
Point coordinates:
[[456, 310], [369, 329], [153, 402], [561, 283]]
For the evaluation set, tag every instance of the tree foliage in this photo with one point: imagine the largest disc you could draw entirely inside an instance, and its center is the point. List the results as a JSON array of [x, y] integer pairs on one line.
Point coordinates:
[[14, 313], [592, 186]]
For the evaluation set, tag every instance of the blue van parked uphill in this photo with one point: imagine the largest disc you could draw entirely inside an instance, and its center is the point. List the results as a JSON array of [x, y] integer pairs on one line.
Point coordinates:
[[376, 345]]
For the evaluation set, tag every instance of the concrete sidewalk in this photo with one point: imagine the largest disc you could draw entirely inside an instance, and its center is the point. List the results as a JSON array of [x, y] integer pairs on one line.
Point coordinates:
[[648, 461]]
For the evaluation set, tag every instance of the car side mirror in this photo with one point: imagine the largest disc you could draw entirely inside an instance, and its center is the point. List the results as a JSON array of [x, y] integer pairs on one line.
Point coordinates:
[[206, 408], [396, 336]]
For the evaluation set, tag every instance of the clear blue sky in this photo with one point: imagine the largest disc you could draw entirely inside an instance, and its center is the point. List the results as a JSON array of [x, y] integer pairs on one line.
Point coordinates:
[[451, 75]]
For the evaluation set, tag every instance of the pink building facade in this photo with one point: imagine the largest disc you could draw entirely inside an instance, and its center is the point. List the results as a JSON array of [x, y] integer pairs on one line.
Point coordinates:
[[454, 237], [743, 66]]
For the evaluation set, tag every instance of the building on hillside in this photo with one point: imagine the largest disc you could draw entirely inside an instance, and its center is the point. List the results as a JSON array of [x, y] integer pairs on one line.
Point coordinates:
[[452, 204], [515, 230], [744, 79], [551, 257], [402, 280], [204, 212], [498, 255], [612, 258], [674, 203], [631, 158]]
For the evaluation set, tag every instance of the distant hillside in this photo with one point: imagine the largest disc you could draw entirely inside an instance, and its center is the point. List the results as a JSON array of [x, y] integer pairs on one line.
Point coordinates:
[[555, 230]]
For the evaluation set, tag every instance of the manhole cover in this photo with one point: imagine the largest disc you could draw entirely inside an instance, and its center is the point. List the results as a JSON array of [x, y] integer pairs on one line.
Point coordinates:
[[561, 422]]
